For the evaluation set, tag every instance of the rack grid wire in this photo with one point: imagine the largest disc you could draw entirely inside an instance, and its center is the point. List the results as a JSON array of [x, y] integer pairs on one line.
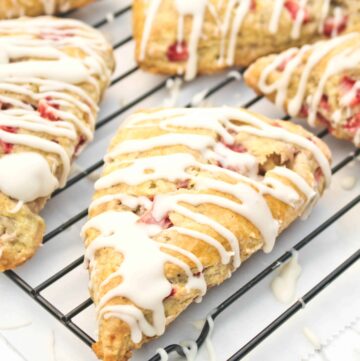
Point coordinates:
[[102, 21]]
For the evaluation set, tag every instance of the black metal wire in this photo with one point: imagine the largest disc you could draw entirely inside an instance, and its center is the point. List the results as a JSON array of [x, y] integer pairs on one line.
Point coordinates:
[[267, 271], [49, 307], [115, 14], [297, 306], [111, 117], [66, 319]]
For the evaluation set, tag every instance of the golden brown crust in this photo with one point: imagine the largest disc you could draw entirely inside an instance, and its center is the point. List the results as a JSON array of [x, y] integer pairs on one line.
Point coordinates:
[[25, 225], [15, 8], [341, 119], [253, 39], [20, 234], [115, 343]]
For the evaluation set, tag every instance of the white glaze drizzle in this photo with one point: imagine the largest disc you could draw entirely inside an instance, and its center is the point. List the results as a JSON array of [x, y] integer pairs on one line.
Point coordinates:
[[240, 194], [338, 16], [112, 226], [239, 18], [37, 172], [310, 195], [224, 29], [284, 284], [348, 182], [312, 338], [209, 345], [153, 6], [324, 13], [275, 16], [227, 26], [42, 145], [345, 60], [48, 78], [197, 10], [300, 16], [131, 202]]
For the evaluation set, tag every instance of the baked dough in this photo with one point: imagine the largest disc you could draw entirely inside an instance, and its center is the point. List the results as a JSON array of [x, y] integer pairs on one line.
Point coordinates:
[[320, 82], [53, 73], [206, 36], [187, 195], [16, 8]]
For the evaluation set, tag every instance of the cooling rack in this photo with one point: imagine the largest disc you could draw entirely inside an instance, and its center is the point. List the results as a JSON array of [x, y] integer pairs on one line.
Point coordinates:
[[133, 89]]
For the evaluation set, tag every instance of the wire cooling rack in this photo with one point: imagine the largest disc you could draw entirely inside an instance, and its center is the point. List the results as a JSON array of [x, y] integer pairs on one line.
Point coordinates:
[[133, 89]]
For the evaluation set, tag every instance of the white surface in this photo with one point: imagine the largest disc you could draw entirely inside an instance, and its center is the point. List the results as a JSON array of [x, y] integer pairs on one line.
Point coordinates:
[[333, 309]]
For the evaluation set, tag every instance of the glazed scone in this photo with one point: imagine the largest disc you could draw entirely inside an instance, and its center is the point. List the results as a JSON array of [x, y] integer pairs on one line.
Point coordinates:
[[206, 36], [53, 73], [320, 82], [16, 8], [187, 195]]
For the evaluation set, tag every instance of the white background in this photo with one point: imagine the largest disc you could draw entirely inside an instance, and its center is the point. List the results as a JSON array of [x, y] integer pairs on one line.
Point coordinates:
[[35, 335]]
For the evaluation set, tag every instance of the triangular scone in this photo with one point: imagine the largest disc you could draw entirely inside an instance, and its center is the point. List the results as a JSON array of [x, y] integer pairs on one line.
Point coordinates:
[[16, 8], [206, 36], [53, 73], [320, 82], [186, 195]]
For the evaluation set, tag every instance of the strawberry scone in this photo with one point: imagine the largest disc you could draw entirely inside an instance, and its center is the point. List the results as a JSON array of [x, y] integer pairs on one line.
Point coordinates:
[[320, 82], [190, 37], [187, 195], [53, 73]]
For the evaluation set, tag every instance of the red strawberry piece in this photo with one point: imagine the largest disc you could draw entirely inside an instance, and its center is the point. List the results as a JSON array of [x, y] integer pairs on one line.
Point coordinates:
[[318, 174], [347, 85], [239, 148], [55, 36], [7, 147], [80, 143], [353, 124], [324, 103], [52, 102], [47, 109], [331, 26], [304, 111], [253, 5], [148, 218], [356, 100], [323, 119], [183, 184], [8, 129], [172, 293], [178, 52], [285, 62], [293, 8]]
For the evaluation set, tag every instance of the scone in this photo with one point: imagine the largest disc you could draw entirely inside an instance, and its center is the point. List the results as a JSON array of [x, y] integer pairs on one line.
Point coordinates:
[[206, 36], [187, 195], [53, 73], [16, 8], [320, 82]]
